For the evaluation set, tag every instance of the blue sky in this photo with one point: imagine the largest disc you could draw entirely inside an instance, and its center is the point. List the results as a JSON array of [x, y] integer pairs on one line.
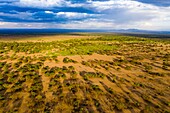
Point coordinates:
[[86, 14]]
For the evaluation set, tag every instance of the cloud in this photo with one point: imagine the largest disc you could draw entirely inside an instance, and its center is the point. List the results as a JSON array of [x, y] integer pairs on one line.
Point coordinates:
[[74, 15], [47, 3], [87, 14], [41, 3], [164, 3], [49, 12], [17, 15], [21, 25], [133, 14], [112, 4]]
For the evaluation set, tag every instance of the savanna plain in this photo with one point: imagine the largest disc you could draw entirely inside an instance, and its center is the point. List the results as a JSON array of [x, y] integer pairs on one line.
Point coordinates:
[[84, 73]]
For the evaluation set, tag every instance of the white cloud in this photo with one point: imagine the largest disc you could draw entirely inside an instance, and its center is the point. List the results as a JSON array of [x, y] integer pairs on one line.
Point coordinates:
[[74, 15], [71, 15], [46, 3], [90, 24], [49, 12], [133, 14], [22, 25], [2, 23], [18, 15], [106, 5], [40, 3]]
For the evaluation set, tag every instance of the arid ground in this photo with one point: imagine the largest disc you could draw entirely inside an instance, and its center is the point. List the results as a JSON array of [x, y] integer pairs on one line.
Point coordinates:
[[85, 73]]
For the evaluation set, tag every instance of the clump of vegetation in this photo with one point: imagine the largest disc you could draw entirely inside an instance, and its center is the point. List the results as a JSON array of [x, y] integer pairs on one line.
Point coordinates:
[[138, 84], [128, 67], [85, 63], [87, 75], [67, 60], [2, 64], [148, 67], [121, 106]]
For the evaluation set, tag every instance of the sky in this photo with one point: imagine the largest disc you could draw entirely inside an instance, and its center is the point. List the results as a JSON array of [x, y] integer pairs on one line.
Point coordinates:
[[86, 14]]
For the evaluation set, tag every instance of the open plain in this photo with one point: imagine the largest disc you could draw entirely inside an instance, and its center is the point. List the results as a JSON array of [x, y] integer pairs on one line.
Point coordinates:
[[84, 73]]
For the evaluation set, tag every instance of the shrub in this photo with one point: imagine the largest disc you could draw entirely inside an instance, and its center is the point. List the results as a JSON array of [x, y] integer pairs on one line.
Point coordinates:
[[2, 64], [1, 97], [67, 60]]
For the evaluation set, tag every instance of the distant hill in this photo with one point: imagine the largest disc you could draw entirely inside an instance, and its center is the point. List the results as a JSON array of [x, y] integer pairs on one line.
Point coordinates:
[[141, 31], [59, 31]]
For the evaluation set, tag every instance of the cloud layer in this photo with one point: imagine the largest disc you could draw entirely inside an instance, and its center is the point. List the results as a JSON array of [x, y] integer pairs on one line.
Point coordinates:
[[85, 14]]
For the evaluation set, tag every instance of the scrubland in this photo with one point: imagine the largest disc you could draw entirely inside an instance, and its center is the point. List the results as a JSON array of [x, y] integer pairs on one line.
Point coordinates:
[[101, 73]]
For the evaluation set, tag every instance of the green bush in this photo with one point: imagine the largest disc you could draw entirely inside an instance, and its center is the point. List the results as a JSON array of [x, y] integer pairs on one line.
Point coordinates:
[[67, 60]]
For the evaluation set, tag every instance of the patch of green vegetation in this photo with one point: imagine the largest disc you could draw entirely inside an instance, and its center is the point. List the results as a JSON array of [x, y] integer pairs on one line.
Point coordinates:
[[87, 75], [69, 47], [138, 84], [84, 48], [67, 60]]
